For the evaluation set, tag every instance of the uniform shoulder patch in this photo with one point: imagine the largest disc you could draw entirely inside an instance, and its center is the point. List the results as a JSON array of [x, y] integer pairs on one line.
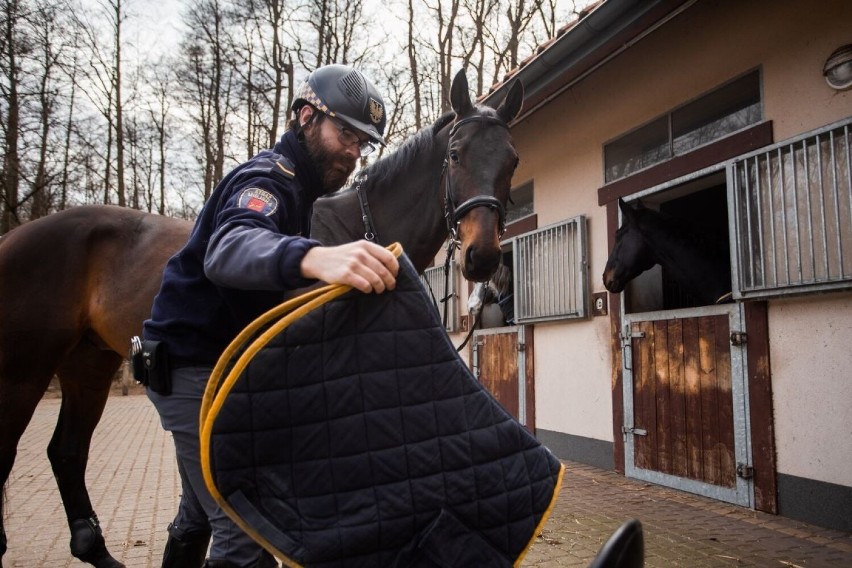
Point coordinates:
[[258, 200]]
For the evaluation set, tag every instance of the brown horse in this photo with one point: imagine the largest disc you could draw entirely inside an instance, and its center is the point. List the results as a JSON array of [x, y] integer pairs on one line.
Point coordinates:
[[77, 285]]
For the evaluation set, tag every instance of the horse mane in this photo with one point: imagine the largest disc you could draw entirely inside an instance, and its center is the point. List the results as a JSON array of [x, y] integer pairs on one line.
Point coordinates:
[[399, 160]]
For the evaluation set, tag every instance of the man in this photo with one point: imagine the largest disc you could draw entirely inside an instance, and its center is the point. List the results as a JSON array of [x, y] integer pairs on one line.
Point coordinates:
[[248, 246]]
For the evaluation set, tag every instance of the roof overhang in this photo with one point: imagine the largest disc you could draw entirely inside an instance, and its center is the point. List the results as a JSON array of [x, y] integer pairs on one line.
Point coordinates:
[[606, 31]]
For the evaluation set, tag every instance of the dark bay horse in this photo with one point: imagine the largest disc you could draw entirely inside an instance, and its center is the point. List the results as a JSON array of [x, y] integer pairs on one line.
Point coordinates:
[[698, 263], [77, 285]]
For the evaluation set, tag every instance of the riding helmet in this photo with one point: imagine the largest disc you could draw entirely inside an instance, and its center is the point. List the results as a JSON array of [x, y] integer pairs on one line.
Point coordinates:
[[343, 92]]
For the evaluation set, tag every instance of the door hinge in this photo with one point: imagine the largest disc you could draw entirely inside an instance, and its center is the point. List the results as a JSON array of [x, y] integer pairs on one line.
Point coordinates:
[[634, 431], [745, 471], [522, 346], [738, 338]]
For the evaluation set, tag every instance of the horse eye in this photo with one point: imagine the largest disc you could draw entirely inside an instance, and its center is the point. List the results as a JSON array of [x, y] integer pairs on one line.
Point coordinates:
[[454, 156]]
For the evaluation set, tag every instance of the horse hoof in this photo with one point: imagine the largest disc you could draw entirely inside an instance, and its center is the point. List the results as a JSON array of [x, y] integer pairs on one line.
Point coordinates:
[[87, 544]]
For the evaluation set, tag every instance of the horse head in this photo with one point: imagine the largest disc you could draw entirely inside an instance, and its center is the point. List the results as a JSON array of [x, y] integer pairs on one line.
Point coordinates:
[[478, 169], [631, 255]]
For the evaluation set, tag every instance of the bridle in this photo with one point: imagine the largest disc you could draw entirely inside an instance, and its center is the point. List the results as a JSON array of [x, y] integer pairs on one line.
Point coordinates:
[[453, 212]]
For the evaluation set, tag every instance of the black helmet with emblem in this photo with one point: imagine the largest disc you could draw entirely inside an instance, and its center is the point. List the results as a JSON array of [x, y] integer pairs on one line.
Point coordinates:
[[343, 92]]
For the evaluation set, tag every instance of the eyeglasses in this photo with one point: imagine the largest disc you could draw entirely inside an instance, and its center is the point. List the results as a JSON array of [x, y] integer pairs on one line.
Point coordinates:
[[349, 138]]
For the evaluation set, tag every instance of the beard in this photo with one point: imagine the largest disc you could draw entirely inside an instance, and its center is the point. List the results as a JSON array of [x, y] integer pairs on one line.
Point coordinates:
[[334, 169]]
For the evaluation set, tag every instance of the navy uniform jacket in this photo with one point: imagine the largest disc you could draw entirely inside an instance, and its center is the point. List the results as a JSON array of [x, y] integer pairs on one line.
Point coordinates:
[[246, 248]]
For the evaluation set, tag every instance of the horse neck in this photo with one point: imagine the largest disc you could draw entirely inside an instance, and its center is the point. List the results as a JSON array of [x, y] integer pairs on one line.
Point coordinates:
[[691, 265], [405, 204]]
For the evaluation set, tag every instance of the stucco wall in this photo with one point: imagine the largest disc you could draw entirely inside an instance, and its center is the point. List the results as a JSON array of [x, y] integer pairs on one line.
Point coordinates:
[[811, 358]]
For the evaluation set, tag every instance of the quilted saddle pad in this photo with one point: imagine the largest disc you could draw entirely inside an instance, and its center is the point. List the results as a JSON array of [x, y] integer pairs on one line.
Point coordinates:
[[343, 429]]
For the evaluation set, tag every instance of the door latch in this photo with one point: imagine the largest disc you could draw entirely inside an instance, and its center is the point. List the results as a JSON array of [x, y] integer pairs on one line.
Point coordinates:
[[738, 338], [745, 471], [634, 431]]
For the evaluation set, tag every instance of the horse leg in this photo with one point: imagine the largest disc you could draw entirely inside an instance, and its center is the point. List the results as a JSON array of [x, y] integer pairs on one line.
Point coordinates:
[[18, 400], [85, 377]]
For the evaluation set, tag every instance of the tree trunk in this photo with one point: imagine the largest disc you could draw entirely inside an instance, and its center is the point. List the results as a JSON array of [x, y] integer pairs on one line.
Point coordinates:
[[11, 159]]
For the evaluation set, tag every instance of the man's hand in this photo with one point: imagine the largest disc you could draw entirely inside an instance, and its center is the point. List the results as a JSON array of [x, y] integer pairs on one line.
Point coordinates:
[[361, 264]]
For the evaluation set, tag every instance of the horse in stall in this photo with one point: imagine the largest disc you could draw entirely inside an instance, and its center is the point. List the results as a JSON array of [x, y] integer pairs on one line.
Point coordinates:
[[647, 238], [76, 286]]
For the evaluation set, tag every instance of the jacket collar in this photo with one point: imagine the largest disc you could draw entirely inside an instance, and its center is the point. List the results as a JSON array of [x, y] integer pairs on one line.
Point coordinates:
[[306, 172]]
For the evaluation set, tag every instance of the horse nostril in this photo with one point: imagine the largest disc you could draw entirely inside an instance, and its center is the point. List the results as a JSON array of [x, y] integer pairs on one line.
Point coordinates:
[[469, 257]]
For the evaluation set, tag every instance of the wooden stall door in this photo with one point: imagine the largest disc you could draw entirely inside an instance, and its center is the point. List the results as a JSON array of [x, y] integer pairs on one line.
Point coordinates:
[[689, 425], [502, 362]]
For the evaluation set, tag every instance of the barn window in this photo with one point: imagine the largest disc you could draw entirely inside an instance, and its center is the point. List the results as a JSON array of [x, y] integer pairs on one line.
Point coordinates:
[[551, 272], [793, 215], [727, 109], [521, 203], [433, 279]]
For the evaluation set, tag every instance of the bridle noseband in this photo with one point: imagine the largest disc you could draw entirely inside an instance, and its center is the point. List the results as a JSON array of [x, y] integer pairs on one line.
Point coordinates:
[[453, 212]]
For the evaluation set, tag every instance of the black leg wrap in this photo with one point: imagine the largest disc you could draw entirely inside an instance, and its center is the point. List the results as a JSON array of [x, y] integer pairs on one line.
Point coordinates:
[[2, 546], [87, 543], [188, 551]]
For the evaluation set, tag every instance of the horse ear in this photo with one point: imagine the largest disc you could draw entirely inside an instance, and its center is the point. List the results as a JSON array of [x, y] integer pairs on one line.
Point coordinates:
[[460, 94], [626, 210], [511, 105]]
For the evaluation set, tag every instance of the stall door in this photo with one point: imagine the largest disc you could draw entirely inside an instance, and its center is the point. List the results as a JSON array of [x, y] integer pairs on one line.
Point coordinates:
[[686, 405], [502, 362]]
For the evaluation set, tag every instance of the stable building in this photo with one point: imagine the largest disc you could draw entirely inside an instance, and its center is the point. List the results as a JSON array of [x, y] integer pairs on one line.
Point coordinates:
[[733, 118]]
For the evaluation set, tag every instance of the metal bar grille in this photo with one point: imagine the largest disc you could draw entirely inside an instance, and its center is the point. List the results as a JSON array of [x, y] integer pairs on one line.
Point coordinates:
[[433, 279], [551, 272], [792, 211]]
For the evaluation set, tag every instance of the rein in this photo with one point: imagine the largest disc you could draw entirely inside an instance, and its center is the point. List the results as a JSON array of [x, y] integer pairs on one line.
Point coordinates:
[[366, 216]]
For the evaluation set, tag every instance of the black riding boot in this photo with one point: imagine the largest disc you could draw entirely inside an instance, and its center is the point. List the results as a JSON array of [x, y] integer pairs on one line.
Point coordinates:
[[188, 551], [624, 549]]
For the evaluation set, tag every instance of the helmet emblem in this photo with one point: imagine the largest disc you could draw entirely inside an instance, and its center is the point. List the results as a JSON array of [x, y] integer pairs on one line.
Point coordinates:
[[377, 111]]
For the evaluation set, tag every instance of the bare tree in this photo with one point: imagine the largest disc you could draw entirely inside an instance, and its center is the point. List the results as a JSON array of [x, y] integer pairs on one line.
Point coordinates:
[[207, 79], [117, 17], [336, 37], [47, 49], [413, 65], [159, 106], [11, 158], [99, 80]]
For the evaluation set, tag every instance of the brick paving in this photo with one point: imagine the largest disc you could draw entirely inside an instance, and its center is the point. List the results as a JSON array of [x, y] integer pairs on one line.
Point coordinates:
[[134, 486]]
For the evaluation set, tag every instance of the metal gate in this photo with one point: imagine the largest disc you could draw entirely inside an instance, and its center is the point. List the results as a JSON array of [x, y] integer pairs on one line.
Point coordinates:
[[502, 362], [686, 419]]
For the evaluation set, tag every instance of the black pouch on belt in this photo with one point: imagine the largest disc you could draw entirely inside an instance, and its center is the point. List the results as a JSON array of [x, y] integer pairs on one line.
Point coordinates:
[[150, 362]]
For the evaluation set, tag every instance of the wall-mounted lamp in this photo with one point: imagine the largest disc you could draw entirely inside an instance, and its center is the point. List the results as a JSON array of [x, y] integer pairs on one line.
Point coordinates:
[[838, 68]]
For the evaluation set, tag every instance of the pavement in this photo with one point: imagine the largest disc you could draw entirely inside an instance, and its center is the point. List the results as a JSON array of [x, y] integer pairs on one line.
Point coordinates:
[[134, 485]]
